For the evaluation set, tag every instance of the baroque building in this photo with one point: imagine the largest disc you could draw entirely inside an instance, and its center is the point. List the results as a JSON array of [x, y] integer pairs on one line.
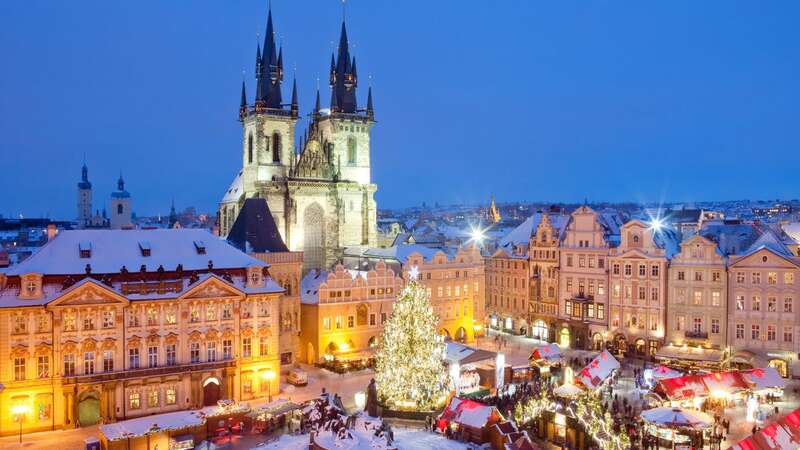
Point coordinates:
[[583, 278], [109, 325], [322, 198]]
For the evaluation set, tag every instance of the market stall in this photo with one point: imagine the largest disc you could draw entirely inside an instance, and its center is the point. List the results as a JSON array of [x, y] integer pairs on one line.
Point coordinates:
[[275, 415], [471, 419], [692, 357], [179, 430], [783, 434], [226, 418], [677, 426], [598, 371], [720, 386]]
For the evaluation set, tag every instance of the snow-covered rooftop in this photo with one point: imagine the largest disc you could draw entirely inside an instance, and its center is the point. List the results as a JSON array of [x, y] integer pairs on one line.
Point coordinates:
[[106, 251], [235, 190], [309, 286]]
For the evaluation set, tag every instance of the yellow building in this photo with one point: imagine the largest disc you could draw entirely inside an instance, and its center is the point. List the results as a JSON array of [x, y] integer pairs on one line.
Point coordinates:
[[108, 325], [343, 313]]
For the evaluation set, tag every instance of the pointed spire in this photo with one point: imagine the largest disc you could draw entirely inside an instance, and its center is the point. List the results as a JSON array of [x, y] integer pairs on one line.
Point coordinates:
[[344, 78], [355, 72], [269, 88], [295, 107], [280, 59], [243, 102], [316, 103], [334, 105], [258, 60], [120, 182], [370, 111]]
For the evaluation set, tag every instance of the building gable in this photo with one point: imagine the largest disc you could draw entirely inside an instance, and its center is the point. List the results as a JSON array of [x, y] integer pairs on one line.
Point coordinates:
[[89, 293], [212, 287]]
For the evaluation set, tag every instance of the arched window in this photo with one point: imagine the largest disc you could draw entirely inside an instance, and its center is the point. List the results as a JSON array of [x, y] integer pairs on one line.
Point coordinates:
[[119, 208], [250, 148], [351, 150], [276, 147]]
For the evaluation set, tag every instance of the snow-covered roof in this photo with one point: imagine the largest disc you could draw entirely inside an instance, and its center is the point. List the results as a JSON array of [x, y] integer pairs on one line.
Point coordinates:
[[112, 249], [235, 190], [770, 240], [792, 229], [403, 251], [142, 425], [731, 238], [522, 233], [309, 286], [598, 370], [669, 240]]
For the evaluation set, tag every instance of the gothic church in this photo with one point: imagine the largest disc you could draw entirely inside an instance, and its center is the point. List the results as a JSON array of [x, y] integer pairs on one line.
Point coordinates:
[[322, 197]]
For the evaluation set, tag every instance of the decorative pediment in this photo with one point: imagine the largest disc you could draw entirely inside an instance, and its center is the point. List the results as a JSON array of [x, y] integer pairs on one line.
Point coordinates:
[[634, 254], [195, 336], [264, 332], [89, 293], [212, 334], [19, 351], [153, 339], [212, 287], [171, 338], [109, 344], [246, 331], [69, 347], [42, 348], [89, 345], [765, 257]]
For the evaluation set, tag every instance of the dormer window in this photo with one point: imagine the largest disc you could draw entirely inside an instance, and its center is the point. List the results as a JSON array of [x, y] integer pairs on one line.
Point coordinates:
[[85, 249], [30, 287], [144, 248], [200, 247]]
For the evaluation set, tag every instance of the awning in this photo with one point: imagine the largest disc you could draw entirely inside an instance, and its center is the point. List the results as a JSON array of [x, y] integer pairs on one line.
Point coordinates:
[[598, 370], [690, 353], [783, 434], [548, 353]]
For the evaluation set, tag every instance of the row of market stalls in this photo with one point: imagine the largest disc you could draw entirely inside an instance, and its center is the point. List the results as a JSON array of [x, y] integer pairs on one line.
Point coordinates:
[[183, 430], [478, 423], [720, 385]]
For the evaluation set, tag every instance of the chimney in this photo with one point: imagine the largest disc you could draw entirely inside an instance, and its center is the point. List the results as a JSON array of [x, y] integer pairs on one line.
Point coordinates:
[[52, 231]]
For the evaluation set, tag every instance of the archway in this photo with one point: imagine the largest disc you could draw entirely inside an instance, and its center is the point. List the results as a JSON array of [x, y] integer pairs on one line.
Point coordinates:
[[445, 334], [372, 342], [461, 334], [541, 331], [314, 236], [597, 341], [563, 338], [88, 409], [781, 366], [211, 391], [312, 355], [639, 345]]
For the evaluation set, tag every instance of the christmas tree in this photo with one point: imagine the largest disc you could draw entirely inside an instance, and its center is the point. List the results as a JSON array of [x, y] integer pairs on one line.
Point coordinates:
[[410, 371]]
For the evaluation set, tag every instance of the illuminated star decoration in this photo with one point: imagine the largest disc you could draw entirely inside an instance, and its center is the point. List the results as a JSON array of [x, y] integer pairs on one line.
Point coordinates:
[[413, 273]]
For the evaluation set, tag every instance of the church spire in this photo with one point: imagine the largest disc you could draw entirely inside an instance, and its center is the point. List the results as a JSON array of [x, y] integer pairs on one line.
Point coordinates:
[[370, 111], [295, 107], [243, 102], [271, 73], [84, 183], [344, 78], [316, 104]]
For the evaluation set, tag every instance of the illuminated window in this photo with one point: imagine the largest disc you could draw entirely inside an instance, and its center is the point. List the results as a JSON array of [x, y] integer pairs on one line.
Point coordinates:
[[714, 326], [772, 304], [108, 319], [772, 278], [755, 278], [194, 314], [263, 346], [351, 321], [740, 302], [756, 305], [171, 317], [227, 311], [788, 305], [755, 332], [133, 319], [263, 309], [771, 332], [601, 311], [194, 352], [697, 298], [171, 396], [788, 278], [739, 331], [152, 316], [211, 312], [716, 298], [152, 399], [326, 323], [88, 322], [134, 400], [20, 324]]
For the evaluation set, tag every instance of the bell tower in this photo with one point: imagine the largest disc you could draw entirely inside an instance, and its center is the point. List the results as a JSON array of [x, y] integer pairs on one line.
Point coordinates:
[[268, 124]]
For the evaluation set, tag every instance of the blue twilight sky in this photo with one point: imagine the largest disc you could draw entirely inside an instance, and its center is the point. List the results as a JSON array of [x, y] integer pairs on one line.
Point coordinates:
[[611, 100]]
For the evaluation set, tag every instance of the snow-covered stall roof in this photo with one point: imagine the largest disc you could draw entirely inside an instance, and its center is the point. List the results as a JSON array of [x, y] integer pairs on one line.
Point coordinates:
[[783, 434], [152, 424], [598, 370], [470, 413], [547, 352], [112, 249], [766, 378]]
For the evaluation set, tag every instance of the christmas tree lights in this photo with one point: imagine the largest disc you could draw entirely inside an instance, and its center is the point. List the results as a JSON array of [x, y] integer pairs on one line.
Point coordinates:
[[409, 366]]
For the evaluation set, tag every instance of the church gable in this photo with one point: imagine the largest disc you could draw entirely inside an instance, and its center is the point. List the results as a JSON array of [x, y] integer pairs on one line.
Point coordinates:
[[212, 287], [89, 293]]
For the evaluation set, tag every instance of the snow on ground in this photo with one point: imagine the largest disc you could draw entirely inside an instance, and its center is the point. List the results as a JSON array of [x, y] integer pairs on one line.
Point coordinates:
[[405, 439]]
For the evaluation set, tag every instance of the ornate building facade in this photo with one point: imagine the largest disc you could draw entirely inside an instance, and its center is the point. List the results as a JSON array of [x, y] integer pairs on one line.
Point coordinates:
[[108, 325], [583, 278], [322, 198]]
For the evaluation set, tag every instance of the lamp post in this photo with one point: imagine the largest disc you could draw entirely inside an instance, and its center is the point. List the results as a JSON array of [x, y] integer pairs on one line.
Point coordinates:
[[268, 376], [19, 412]]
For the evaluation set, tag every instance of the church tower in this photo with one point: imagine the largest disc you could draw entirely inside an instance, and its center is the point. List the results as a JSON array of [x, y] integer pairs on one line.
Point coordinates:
[[84, 198], [346, 126], [267, 124], [121, 214]]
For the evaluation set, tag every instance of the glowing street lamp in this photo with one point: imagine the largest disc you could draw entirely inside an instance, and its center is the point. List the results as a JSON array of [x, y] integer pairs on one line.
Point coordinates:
[[268, 376], [477, 235], [657, 224], [19, 412]]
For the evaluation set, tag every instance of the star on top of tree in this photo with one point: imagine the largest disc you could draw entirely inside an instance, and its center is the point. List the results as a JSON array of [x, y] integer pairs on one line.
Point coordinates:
[[413, 273]]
